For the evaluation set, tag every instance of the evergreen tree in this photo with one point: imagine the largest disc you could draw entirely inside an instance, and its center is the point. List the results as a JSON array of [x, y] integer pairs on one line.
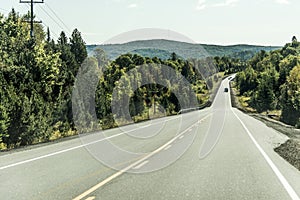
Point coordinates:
[[36, 80], [48, 35], [78, 47], [62, 40], [291, 98], [264, 98]]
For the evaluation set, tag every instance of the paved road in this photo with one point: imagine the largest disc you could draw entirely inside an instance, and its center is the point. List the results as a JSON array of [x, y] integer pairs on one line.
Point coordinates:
[[215, 153]]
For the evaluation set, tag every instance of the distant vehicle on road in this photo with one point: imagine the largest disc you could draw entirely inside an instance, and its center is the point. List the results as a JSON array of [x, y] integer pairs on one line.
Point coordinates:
[[226, 90], [229, 78]]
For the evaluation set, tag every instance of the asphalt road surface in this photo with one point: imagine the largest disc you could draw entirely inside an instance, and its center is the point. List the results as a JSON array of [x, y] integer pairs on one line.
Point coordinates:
[[215, 153]]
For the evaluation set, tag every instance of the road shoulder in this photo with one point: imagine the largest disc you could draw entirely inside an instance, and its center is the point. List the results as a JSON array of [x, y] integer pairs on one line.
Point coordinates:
[[289, 150]]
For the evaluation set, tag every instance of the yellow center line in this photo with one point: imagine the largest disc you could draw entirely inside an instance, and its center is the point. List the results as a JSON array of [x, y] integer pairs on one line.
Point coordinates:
[[91, 198], [168, 147], [90, 175], [141, 165], [119, 173]]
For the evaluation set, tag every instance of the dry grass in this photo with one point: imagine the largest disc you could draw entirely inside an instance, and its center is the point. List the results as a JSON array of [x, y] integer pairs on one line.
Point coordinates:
[[244, 103], [3, 146]]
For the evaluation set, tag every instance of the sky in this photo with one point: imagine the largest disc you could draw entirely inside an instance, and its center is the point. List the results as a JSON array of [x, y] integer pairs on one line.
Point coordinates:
[[221, 22]]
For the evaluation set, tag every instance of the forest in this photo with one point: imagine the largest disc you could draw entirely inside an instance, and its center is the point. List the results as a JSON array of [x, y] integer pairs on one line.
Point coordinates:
[[38, 74], [271, 81], [162, 48], [36, 80]]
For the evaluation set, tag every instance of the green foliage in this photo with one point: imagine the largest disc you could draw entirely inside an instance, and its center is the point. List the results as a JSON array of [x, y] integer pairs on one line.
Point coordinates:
[[78, 47], [272, 82], [4, 122], [247, 80], [146, 97], [263, 99], [290, 98], [36, 79], [229, 65]]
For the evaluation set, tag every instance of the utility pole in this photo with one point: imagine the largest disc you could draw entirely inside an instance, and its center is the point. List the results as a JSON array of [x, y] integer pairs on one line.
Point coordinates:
[[32, 15]]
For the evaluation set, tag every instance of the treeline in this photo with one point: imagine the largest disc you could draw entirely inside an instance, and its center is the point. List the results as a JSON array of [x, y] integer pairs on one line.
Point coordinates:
[[164, 91], [229, 65], [272, 81], [36, 79]]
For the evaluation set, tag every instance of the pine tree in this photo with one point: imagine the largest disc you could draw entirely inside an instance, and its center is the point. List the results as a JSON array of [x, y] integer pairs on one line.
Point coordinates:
[[48, 35], [78, 47]]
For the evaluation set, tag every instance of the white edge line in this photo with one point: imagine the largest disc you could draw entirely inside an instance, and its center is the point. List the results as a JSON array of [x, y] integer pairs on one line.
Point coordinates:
[[107, 180], [80, 146], [40, 157], [279, 175], [77, 147]]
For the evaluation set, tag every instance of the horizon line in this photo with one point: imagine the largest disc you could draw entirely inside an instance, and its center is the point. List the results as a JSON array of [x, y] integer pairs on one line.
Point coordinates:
[[210, 44]]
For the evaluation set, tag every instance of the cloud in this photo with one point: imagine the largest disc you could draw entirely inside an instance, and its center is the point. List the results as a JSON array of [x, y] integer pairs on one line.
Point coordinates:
[[201, 5], [132, 5], [231, 3], [283, 2]]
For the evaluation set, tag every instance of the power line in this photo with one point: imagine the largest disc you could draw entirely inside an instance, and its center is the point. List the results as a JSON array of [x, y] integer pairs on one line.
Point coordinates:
[[52, 18], [45, 25], [55, 21], [49, 15], [57, 17], [52, 33]]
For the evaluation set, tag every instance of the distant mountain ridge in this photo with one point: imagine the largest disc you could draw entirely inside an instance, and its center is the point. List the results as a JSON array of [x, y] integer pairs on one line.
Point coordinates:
[[163, 48]]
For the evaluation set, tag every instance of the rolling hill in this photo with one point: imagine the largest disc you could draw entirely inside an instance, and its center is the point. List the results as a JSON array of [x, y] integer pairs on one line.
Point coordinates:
[[163, 49]]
